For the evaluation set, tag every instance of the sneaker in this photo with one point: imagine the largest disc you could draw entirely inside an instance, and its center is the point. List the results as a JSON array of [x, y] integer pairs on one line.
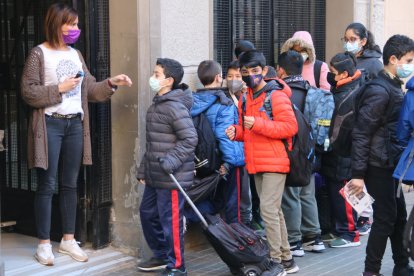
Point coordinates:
[[314, 244], [254, 225], [275, 269], [173, 272], [290, 266], [296, 249], [328, 237], [340, 243], [44, 254], [364, 227], [153, 264], [72, 249], [405, 270]]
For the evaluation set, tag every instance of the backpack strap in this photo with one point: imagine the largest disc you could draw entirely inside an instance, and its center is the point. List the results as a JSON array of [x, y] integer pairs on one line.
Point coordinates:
[[317, 66], [267, 104]]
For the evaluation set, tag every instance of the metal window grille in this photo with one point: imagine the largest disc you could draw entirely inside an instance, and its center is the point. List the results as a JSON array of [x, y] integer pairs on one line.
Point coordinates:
[[266, 23]]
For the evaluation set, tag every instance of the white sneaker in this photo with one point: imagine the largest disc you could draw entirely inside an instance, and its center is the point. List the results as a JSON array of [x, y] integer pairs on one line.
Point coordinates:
[[72, 249], [44, 254]]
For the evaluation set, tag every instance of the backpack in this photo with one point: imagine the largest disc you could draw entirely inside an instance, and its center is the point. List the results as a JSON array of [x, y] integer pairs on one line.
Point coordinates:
[[302, 154], [319, 107], [207, 155], [346, 115], [340, 134]]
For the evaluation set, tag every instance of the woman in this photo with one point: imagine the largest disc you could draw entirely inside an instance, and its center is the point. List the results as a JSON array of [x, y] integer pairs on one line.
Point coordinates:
[[57, 85], [359, 41]]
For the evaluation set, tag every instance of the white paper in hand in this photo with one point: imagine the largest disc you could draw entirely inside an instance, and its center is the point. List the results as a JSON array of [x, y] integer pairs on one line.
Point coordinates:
[[359, 202]]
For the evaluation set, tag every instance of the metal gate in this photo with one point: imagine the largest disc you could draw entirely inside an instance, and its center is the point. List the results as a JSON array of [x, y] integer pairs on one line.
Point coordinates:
[[268, 24], [21, 29]]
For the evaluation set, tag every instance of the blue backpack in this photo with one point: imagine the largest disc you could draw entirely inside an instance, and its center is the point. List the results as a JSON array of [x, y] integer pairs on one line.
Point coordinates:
[[319, 108]]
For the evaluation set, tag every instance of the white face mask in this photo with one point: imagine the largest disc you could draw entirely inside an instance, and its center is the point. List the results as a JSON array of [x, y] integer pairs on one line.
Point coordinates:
[[155, 84], [305, 56]]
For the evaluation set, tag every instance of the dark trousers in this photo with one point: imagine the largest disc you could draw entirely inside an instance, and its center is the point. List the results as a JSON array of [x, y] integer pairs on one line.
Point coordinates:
[[161, 214], [344, 215], [228, 195], [390, 217], [64, 141], [255, 200]]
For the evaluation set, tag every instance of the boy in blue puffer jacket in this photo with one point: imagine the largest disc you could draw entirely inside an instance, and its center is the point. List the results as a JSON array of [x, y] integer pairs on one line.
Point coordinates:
[[221, 113]]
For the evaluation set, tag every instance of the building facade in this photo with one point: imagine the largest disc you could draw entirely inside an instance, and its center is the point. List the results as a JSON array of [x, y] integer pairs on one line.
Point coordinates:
[[127, 36]]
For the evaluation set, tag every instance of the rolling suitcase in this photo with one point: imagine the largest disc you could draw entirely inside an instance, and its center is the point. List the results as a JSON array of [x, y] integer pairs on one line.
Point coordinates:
[[244, 252]]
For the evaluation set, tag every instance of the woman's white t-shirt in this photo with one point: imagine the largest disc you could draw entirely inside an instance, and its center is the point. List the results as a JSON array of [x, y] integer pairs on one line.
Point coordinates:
[[59, 66]]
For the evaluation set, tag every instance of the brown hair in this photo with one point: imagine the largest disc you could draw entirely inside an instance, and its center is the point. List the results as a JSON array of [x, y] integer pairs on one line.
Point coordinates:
[[208, 70], [57, 15]]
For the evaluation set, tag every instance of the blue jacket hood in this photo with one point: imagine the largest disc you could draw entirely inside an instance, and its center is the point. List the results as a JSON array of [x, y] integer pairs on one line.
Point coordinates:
[[204, 98]]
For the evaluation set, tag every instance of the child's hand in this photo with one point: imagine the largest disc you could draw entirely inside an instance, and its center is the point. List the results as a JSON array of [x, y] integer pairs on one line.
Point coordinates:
[[231, 132], [141, 181], [223, 170], [248, 122]]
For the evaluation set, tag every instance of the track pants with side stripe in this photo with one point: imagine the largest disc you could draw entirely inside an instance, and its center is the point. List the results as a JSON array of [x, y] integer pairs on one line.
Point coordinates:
[[161, 214]]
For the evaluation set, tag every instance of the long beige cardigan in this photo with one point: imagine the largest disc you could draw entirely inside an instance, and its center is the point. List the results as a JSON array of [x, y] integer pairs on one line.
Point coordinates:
[[39, 96]]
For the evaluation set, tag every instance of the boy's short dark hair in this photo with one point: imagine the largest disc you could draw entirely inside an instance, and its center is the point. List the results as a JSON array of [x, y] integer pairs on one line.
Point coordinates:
[[252, 59], [271, 72], [243, 46], [344, 62], [397, 45], [235, 64], [292, 62], [172, 69], [208, 70]]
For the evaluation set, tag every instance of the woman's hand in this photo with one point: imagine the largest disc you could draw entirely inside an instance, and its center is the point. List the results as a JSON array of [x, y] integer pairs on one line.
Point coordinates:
[[121, 80], [68, 85]]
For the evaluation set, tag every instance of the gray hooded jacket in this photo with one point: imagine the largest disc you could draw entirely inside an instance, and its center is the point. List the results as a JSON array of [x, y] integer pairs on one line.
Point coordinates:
[[171, 141]]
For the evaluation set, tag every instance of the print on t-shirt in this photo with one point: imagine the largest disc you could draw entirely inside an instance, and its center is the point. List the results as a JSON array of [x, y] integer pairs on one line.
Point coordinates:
[[67, 69]]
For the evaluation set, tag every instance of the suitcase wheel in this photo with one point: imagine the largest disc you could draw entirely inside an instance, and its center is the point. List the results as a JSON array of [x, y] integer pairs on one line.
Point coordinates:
[[250, 270]]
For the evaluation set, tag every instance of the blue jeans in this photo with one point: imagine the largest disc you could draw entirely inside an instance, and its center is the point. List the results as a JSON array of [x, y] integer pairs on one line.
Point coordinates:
[[64, 141]]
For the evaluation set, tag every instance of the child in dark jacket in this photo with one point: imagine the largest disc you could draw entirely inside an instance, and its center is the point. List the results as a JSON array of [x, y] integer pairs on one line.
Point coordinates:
[[171, 141], [375, 152], [336, 167], [221, 113]]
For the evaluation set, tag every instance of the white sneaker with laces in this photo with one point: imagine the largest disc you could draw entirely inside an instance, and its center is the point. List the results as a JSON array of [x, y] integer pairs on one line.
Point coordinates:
[[44, 254], [72, 249]]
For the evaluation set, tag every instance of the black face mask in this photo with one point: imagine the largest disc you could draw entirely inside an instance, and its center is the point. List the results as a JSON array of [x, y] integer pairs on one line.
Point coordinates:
[[252, 81], [331, 79]]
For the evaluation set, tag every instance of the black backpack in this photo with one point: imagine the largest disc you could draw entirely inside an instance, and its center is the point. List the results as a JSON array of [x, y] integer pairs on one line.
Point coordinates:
[[207, 155], [302, 155], [343, 120], [345, 116]]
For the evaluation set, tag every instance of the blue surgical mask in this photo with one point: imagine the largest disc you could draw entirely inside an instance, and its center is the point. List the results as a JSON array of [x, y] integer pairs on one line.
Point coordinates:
[[352, 47], [405, 70]]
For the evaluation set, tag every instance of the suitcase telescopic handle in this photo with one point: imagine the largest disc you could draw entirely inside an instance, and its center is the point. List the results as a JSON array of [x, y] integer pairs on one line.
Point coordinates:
[[203, 220]]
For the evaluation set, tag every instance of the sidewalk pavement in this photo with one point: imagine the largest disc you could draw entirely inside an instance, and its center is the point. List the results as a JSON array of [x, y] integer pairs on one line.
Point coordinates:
[[17, 253]]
